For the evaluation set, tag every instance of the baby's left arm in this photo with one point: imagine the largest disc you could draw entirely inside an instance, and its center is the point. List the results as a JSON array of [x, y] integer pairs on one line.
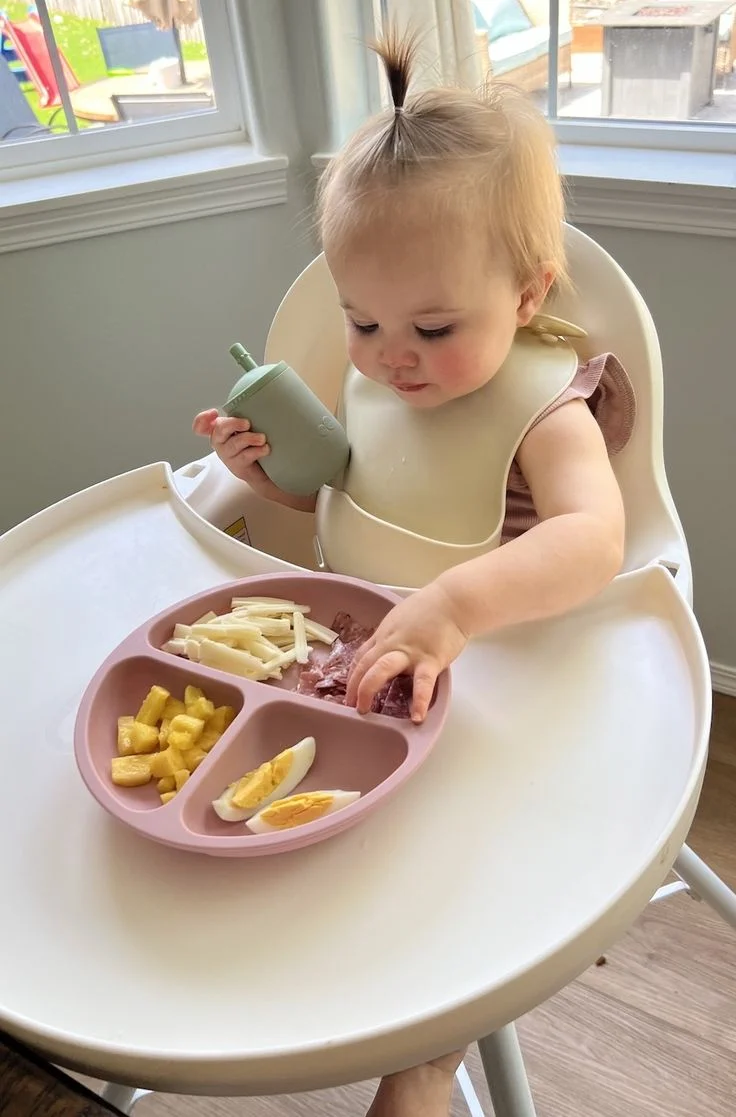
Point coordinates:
[[567, 558]]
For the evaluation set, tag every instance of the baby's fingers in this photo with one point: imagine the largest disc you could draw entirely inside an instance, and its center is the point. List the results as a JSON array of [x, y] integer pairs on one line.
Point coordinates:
[[224, 428], [425, 680], [364, 658], [375, 676], [247, 444], [204, 422]]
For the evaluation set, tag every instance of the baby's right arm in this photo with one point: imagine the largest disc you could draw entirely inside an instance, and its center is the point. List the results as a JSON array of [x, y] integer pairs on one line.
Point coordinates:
[[240, 449]]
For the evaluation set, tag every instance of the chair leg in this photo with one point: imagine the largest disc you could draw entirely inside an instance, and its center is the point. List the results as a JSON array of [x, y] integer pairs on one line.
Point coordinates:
[[472, 1101], [507, 1081], [124, 1098], [706, 885], [500, 1052]]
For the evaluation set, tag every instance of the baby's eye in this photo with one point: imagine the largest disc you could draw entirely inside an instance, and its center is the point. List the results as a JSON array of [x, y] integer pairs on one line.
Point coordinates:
[[440, 331], [364, 329]]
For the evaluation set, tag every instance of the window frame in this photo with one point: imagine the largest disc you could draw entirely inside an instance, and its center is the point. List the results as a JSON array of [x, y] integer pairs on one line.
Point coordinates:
[[688, 137], [665, 177], [226, 123]]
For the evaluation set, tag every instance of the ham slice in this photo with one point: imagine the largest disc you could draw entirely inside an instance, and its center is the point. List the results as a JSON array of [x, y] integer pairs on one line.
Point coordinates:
[[328, 678]]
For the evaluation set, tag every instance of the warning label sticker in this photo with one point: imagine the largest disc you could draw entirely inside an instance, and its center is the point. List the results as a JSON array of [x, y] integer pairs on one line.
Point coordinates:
[[238, 530]]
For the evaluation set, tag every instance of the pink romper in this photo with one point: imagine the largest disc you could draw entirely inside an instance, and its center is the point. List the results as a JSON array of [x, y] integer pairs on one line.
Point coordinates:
[[603, 383]]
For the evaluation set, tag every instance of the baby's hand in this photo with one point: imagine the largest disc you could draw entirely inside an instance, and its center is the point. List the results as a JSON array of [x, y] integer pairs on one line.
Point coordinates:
[[235, 444], [241, 450], [420, 636]]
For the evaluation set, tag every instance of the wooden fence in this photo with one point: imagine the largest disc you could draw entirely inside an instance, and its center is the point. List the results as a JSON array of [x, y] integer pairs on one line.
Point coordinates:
[[117, 13]]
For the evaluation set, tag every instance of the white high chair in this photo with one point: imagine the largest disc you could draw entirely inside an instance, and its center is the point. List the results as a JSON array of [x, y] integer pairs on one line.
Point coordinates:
[[565, 816], [308, 332]]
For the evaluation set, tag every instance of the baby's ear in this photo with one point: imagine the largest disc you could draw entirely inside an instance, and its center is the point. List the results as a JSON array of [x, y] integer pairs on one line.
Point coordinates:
[[532, 296]]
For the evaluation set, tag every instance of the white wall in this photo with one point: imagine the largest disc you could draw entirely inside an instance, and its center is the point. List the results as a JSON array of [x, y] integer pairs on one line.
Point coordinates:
[[688, 283], [110, 345]]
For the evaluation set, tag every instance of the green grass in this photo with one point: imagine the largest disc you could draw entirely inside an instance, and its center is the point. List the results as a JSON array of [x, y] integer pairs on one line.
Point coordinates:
[[77, 40]]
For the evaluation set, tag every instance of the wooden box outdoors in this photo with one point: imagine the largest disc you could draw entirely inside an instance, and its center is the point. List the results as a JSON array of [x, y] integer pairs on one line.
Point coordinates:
[[659, 58]]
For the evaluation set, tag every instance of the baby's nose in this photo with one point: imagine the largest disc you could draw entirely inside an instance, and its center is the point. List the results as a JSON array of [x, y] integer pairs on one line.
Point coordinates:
[[398, 356]]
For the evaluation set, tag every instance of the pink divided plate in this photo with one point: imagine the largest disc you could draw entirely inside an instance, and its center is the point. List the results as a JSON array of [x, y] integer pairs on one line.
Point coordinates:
[[372, 754]]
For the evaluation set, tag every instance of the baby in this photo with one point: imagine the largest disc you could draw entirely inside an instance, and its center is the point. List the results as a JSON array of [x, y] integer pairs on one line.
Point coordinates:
[[442, 225]]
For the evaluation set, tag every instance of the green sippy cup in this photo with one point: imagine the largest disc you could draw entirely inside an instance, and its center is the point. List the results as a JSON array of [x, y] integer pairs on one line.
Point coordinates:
[[309, 448]]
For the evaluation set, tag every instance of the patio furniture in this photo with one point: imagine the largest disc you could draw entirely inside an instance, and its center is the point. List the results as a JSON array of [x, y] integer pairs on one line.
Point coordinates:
[[17, 119], [513, 39], [95, 101], [10, 55], [132, 107], [659, 57], [587, 33], [726, 47], [28, 44], [135, 46]]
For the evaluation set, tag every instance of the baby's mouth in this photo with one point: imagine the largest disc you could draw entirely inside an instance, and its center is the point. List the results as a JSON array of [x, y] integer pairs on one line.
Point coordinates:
[[409, 387]]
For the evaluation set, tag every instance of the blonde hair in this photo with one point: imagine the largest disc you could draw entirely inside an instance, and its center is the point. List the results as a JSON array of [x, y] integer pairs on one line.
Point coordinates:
[[486, 157]]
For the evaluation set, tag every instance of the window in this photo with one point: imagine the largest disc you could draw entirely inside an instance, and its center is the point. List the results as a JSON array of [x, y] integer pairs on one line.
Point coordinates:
[[97, 77], [656, 73]]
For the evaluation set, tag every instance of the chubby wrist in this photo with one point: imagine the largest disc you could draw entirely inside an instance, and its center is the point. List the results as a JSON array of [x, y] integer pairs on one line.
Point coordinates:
[[457, 602]]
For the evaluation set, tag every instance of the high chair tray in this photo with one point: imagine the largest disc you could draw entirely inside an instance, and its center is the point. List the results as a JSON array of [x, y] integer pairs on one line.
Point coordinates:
[[553, 805]]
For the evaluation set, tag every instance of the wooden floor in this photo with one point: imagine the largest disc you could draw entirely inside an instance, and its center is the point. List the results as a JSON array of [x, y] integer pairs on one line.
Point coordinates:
[[650, 1034]]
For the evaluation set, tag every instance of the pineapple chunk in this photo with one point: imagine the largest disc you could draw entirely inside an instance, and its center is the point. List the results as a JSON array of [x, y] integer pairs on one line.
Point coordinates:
[[152, 707], [125, 744], [166, 763], [192, 694], [193, 758], [173, 707], [131, 771], [184, 731], [221, 718], [209, 739], [197, 705], [203, 709], [144, 738]]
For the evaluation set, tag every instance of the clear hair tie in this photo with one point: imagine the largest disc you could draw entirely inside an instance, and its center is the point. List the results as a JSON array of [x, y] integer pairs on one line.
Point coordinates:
[[398, 110]]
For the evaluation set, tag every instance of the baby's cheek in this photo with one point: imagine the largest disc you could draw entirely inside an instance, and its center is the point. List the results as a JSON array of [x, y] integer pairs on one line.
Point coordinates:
[[456, 363]]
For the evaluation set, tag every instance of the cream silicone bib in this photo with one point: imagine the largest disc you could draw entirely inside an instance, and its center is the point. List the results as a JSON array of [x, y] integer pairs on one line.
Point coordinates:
[[426, 489]]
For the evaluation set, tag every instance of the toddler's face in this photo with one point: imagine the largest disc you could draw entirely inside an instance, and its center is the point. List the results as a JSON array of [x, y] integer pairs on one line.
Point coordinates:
[[428, 315]]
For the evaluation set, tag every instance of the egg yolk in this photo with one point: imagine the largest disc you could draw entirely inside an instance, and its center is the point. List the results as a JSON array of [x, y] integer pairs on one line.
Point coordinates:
[[255, 786], [297, 809]]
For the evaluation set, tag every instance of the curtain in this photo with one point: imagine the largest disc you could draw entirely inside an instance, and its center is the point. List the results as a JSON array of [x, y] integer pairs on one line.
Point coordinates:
[[449, 51]]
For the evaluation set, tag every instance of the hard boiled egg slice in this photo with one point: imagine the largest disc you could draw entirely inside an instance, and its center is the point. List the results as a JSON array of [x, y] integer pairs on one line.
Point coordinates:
[[284, 814], [272, 780]]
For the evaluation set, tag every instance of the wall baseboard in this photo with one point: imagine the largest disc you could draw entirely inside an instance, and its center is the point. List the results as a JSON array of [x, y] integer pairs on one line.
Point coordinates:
[[724, 678]]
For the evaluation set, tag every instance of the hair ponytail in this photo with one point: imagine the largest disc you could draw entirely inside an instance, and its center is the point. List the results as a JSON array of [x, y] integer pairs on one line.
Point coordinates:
[[485, 158]]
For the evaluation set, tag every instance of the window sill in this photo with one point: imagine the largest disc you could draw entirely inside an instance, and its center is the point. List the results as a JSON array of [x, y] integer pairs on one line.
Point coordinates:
[[632, 188], [668, 191], [137, 193]]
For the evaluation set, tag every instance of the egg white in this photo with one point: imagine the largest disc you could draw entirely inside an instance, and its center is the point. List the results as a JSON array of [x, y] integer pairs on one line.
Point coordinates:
[[303, 755]]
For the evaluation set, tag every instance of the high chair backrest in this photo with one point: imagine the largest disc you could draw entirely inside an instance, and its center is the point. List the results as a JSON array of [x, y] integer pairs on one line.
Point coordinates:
[[308, 332]]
